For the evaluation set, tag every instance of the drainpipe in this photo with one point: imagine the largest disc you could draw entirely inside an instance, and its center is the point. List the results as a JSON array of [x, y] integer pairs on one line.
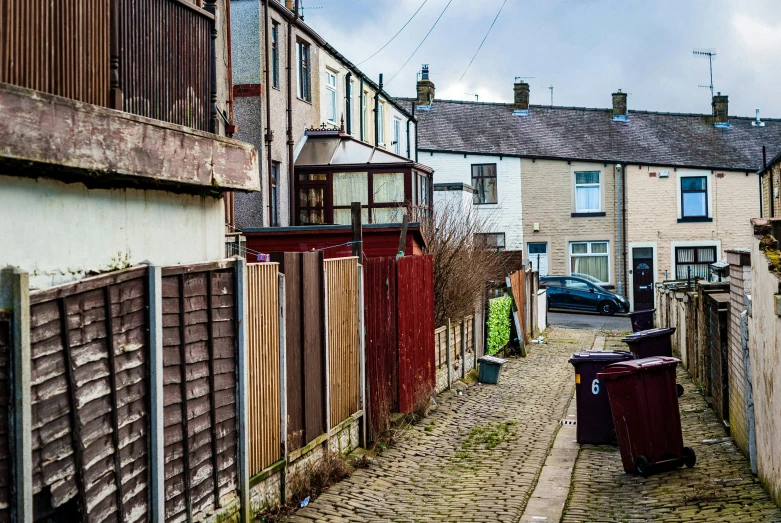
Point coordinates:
[[408, 144], [624, 181], [290, 143], [416, 133], [761, 174], [360, 112], [619, 276], [269, 134], [348, 105], [376, 114]]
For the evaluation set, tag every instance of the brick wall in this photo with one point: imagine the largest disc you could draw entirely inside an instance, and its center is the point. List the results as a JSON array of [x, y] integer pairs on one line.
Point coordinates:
[[506, 216], [740, 285]]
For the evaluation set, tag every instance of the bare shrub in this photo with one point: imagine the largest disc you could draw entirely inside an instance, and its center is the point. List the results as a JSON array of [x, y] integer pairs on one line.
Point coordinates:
[[314, 477], [463, 266], [421, 399]]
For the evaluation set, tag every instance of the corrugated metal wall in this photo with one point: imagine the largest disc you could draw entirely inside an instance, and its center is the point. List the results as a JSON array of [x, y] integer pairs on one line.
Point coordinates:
[[199, 379], [265, 443]]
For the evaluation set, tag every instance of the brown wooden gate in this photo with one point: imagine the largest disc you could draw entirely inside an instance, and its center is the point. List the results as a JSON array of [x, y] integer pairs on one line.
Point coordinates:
[[199, 380], [89, 372]]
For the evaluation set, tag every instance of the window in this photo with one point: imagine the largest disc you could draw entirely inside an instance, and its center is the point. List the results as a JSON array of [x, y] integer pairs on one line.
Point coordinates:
[[330, 97], [490, 240], [694, 197], [588, 192], [381, 123], [397, 136], [696, 258], [484, 183], [311, 198], [354, 110], [274, 208], [275, 55], [364, 127], [590, 260], [576, 285], [304, 72]]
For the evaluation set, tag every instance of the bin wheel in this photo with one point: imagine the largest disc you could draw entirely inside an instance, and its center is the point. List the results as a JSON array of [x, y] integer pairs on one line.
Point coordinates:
[[613, 438], [680, 389], [643, 466], [689, 457]]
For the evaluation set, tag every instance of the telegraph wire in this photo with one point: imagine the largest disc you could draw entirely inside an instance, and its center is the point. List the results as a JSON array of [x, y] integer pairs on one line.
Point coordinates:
[[421, 43], [397, 34], [484, 39]]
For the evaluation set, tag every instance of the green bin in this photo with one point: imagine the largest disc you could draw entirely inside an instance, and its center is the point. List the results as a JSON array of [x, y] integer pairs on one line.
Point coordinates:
[[490, 369]]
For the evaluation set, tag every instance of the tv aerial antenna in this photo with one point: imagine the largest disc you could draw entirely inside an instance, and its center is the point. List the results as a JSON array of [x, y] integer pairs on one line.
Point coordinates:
[[550, 88], [709, 54], [519, 78]]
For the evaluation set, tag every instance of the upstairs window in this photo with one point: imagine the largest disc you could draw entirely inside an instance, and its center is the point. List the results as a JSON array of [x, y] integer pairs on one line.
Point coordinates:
[[330, 97], [381, 123], [364, 112], [304, 72], [397, 136], [275, 55], [694, 197], [588, 192], [484, 183]]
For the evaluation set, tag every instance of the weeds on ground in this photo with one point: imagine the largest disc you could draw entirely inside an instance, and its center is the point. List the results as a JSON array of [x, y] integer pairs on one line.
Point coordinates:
[[489, 436]]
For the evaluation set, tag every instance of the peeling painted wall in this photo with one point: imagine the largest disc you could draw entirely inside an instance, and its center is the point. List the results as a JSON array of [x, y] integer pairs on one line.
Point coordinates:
[[61, 232], [765, 355]]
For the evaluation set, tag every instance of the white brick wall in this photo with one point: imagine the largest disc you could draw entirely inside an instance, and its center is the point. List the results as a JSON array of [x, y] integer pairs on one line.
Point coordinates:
[[505, 216]]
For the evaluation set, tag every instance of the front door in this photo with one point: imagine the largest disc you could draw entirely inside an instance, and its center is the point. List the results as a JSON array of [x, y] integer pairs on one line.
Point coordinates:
[[643, 278], [538, 256]]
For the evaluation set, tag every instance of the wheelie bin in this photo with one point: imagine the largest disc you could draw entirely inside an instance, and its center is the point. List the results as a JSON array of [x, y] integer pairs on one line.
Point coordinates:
[[595, 422], [642, 320], [490, 369], [651, 342], [644, 403]]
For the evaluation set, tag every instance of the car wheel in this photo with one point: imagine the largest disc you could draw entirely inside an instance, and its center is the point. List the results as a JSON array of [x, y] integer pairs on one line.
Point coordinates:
[[606, 308]]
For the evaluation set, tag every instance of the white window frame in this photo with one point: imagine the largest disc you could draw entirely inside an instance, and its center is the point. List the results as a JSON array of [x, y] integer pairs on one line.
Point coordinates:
[[587, 185], [364, 116], [331, 90], [304, 90], [709, 196], [397, 135], [381, 123], [590, 254]]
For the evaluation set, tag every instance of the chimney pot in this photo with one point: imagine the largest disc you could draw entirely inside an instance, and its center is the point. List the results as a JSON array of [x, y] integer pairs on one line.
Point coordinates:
[[521, 98], [426, 88], [620, 113], [720, 106]]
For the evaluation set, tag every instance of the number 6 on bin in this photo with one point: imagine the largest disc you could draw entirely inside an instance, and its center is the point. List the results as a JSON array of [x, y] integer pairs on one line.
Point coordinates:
[[595, 387]]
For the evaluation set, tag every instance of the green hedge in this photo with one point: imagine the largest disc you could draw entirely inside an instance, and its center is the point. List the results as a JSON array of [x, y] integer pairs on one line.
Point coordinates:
[[499, 323]]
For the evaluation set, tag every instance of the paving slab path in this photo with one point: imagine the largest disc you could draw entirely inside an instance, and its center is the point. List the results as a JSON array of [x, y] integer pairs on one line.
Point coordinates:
[[477, 458]]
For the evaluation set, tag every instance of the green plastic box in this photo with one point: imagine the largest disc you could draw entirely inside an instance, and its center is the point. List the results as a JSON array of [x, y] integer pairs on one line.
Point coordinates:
[[490, 369]]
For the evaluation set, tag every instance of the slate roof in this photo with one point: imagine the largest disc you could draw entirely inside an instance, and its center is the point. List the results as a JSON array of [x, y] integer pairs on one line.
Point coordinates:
[[572, 133]]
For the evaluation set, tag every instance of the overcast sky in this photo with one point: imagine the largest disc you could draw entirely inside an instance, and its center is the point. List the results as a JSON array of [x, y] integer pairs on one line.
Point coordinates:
[[586, 49]]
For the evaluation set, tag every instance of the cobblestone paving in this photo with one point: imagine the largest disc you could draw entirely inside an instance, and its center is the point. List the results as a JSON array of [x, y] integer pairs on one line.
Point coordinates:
[[441, 473], [720, 488]]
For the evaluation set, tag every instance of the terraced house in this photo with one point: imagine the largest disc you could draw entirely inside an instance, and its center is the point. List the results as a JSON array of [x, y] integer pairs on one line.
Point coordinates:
[[622, 198]]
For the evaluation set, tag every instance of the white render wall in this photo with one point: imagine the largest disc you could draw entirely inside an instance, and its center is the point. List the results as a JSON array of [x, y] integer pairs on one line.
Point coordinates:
[[61, 232], [505, 216]]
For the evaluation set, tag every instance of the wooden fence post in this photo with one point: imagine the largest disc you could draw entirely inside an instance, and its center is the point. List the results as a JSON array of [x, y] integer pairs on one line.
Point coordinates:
[[326, 363], [463, 348], [363, 439], [15, 296], [242, 393], [282, 384], [357, 223], [447, 355], [157, 420], [474, 338]]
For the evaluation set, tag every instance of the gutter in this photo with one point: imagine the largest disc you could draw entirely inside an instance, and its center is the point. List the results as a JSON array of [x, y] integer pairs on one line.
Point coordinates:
[[619, 277], [416, 133]]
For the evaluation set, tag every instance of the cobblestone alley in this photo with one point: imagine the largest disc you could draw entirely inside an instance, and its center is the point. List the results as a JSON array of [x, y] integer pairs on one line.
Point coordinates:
[[477, 458]]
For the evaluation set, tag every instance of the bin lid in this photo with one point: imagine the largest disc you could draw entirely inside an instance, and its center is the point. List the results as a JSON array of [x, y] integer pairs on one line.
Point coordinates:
[[626, 368], [492, 359], [637, 313], [601, 355], [650, 333]]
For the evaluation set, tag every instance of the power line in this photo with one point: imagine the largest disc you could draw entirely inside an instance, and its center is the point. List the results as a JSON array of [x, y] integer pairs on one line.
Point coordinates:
[[484, 39], [421, 43], [397, 34]]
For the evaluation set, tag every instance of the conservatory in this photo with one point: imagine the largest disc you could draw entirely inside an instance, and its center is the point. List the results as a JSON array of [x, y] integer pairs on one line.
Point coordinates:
[[333, 170]]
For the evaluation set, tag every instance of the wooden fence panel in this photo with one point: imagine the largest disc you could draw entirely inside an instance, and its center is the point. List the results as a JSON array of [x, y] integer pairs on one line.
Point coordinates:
[[6, 402], [200, 386], [90, 397], [343, 338], [518, 288], [415, 306], [264, 381], [57, 47], [305, 345]]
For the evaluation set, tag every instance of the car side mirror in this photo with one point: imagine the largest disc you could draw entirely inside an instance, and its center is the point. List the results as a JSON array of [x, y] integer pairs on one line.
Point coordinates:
[[591, 289]]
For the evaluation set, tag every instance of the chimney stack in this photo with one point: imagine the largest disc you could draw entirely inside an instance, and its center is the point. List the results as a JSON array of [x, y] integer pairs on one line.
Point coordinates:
[[425, 88], [620, 113], [720, 108], [289, 4], [521, 98]]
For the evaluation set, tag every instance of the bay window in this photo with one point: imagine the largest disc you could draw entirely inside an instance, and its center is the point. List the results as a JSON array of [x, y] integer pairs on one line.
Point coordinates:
[[590, 260]]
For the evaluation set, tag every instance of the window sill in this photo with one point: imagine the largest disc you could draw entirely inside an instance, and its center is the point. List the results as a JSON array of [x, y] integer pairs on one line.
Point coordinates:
[[276, 87], [694, 220], [304, 100], [485, 203], [587, 214]]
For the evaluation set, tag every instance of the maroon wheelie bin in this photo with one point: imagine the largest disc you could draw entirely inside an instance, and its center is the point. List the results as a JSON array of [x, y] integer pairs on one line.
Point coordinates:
[[644, 403], [642, 320], [651, 342], [595, 423]]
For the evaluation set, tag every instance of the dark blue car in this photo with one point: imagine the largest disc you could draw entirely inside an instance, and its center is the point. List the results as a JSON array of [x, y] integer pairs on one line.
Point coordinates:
[[572, 292]]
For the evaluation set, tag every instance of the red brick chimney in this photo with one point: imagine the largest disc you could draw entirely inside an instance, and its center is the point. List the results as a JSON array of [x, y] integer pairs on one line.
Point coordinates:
[[426, 88], [620, 113], [720, 107]]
